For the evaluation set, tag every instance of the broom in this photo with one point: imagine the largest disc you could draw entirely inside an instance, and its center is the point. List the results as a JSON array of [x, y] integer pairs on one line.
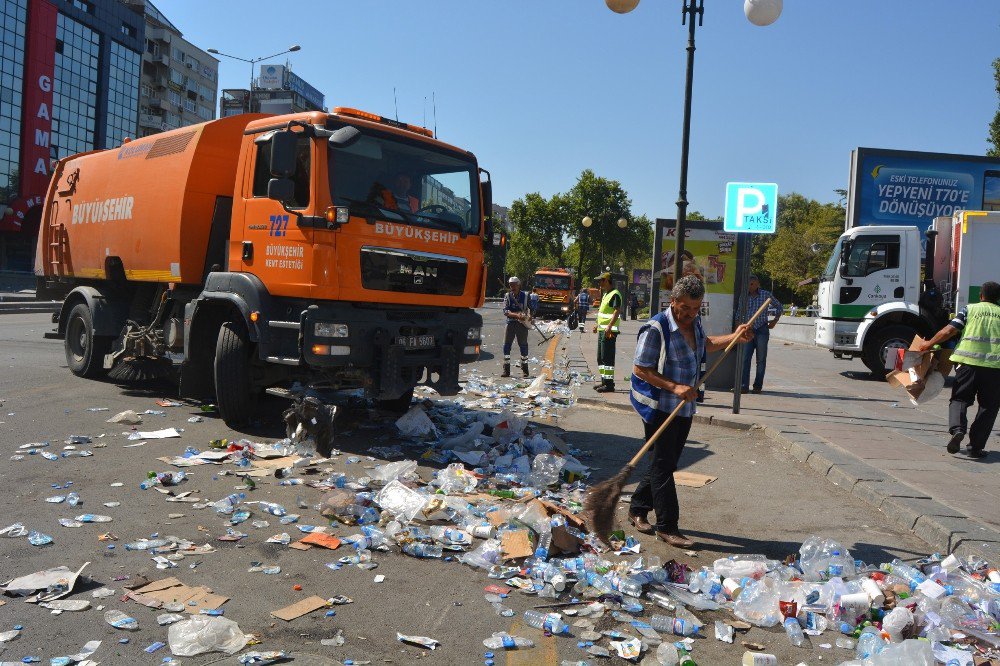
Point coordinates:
[[599, 504]]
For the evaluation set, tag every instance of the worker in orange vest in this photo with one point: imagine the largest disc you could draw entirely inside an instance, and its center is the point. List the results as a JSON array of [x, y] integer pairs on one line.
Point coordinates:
[[397, 197]]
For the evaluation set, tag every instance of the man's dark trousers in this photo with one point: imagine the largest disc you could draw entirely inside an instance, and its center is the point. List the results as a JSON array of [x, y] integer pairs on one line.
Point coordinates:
[[972, 384], [758, 344], [656, 492], [606, 356]]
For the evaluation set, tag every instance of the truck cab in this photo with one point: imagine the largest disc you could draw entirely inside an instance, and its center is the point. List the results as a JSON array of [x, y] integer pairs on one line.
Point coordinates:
[[871, 267], [556, 292]]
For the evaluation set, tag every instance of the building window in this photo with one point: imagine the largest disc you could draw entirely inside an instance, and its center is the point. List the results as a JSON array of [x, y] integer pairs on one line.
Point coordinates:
[[74, 98], [178, 54], [11, 78], [204, 112], [174, 98], [146, 90], [128, 30], [83, 6], [123, 89]]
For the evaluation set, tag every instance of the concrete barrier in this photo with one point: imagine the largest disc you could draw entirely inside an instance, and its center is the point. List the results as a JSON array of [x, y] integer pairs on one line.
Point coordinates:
[[796, 329]]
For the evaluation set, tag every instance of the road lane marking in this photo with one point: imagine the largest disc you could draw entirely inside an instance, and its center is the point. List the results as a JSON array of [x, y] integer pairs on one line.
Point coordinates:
[[550, 355]]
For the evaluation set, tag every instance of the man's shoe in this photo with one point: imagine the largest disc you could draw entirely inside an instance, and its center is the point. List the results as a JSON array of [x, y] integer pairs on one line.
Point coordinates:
[[755, 389], [976, 454], [640, 523], [605, 388], [524, 370], [506, 370], [675, 539], [955, 442]]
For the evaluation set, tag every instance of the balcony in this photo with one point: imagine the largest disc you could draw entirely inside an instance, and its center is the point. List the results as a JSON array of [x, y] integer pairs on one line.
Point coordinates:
[[148, 120], [159, 35]]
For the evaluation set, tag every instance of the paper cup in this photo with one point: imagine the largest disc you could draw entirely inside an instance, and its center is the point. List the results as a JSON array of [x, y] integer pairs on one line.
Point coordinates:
[[759, 659], [856, 600], [732, 588], [874, 592]]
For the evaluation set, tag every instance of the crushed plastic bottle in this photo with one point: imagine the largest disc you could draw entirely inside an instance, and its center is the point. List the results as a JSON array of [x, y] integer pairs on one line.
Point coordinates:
[[870, 643], [550, 622], [39, 539], [504, 641], [72, 499], [794, 632], [272, 508], [422, 550], [120, 620], [673, 625]]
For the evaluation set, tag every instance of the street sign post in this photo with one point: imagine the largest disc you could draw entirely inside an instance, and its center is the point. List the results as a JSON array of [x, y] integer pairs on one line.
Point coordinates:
[[751, 208]]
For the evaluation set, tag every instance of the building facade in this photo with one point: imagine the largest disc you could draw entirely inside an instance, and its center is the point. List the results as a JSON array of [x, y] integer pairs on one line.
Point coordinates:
[[277, 90], [179, 80]]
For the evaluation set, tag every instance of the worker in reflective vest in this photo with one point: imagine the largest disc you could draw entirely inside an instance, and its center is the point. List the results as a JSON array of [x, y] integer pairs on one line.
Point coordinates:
[[978, 376], [607, 330], [518, 314], [397, 197]]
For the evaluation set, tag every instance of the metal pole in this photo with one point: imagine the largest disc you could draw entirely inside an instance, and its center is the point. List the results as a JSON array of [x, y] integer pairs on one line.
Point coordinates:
[[250, 92], [741, 312], [691, 9]]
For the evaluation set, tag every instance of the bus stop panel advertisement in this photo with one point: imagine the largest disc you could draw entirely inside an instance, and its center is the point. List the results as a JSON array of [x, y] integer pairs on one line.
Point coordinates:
[[903, 187], [709, 253]]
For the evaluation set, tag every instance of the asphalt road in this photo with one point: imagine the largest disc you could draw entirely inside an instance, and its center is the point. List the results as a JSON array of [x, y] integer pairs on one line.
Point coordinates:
[[760, 503]]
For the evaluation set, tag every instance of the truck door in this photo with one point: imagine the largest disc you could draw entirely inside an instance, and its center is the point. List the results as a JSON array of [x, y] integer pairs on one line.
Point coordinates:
[[274, 247], [871, 275]]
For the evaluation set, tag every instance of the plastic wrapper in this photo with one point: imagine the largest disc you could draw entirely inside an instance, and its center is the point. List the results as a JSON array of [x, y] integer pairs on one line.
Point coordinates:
[[383, 474], [422, 641], [205, 633], [485, 556], [545, 470], [415, 423], [455, 479], [402, 502], [465, 441]]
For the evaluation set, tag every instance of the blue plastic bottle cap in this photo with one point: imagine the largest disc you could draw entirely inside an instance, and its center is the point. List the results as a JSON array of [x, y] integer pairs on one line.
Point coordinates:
[[331, 613], [488, 655], [581, 644], [18, 627], [489, 662]]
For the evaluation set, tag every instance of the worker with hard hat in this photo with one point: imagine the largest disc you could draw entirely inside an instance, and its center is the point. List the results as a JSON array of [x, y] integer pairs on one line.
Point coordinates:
[[607, 330], [518, 314]]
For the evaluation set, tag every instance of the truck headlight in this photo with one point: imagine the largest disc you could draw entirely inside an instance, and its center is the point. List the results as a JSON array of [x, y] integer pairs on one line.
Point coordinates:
[[473, 333], [565, 308], [327, 330]]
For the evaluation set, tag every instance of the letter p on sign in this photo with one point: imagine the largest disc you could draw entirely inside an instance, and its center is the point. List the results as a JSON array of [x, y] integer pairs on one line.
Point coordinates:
[[751, 208]]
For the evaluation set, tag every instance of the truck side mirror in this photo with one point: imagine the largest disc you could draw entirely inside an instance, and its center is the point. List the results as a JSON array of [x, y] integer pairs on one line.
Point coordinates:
[[283, 147], [281, 189], [845, 254], [487, 188]]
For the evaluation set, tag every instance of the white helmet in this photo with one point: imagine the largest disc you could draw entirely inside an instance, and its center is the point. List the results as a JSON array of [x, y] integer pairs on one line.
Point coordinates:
[[514, 280]]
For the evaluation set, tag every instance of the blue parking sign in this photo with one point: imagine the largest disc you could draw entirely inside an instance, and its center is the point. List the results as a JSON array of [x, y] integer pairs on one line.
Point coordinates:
[[751, 208]]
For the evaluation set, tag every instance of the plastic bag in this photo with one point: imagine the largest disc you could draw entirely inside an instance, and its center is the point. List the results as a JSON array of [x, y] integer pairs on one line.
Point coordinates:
[[466, 440], [455, 479], [483, 557], [383, 474], [545, 470], [415, 423], [758, 603], [205, 633]]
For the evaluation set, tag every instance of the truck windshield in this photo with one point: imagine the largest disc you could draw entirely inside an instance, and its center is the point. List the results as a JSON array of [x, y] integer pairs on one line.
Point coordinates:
[[831, 266], [551, 282], [405, 181]]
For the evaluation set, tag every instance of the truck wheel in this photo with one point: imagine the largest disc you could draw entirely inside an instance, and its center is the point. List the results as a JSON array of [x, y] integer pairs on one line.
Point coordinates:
[[84, 350], [883, 341], [397, 405], [233, 389]]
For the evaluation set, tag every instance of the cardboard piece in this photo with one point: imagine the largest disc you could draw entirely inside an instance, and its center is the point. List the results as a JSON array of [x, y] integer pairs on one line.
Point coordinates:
[[300, 545], [911, 370], [693, 480], [171, 590], [322, 540], [571, 518], [515, 544], [300, 608]]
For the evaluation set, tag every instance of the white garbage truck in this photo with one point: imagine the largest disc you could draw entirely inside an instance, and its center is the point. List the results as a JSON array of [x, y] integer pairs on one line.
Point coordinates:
[[876, 294]]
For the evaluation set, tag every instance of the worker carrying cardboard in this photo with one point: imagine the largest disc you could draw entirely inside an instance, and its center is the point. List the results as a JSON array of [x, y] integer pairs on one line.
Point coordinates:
[[607, 330], [978, 376]]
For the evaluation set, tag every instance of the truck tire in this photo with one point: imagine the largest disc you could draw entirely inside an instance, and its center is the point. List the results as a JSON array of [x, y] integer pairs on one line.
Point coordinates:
[[397, 405], [84, 350], [233, 390], [882, 340]]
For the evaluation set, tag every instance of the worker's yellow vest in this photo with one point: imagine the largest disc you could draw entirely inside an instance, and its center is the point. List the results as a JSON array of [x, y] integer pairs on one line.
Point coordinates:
[[606, 312], [980, 343]]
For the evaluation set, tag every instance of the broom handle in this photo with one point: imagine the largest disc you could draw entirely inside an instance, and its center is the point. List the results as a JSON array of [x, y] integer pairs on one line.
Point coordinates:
[[677, 409]]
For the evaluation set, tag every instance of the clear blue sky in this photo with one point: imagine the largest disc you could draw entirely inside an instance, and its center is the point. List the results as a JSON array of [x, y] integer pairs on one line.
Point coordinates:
[[542, 89]]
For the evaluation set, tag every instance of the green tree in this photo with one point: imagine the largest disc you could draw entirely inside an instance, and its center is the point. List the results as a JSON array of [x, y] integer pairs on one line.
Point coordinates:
[[994, 137], [788, 258], [544, 221]]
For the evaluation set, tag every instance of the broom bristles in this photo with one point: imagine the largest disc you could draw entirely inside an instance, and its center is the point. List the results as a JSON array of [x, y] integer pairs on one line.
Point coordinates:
[[600, 503]]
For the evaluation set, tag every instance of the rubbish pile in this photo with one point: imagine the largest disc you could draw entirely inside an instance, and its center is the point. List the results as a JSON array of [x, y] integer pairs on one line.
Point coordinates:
[[505, 501]]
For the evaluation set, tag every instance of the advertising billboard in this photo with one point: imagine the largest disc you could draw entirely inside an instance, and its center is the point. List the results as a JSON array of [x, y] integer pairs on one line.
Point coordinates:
[[297, 84], [272, 77], [912, 188]]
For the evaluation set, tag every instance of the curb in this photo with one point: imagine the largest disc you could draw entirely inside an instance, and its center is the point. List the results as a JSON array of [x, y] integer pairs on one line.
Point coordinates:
[[7, 307], [942, 527]]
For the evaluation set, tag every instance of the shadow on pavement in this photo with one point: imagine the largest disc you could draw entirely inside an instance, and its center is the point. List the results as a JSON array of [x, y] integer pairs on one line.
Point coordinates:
[[735, 545]]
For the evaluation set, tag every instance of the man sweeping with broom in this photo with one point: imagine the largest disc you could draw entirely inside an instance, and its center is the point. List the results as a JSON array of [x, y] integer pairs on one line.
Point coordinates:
[[668, 356]]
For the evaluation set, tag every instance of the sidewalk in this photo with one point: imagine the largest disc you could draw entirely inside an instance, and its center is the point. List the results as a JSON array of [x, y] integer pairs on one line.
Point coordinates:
[[858, 432]]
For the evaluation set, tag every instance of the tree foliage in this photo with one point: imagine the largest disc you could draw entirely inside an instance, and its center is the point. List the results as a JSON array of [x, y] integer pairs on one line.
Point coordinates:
[[788, 257], [994, 137]]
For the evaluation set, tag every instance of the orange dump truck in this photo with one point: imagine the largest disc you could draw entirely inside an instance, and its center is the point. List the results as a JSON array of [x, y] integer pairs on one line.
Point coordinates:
[[340, 250], [556, 296]]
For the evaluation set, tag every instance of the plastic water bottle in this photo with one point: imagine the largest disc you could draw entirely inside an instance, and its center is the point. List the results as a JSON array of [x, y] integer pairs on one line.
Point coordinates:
[[794, 631], [504, 641], [72, 499], [870, 643], [630, 586], [664, 601], [550, 622], [291, 482], [600, 583], [39, 539], [422, 550], [228, 503], [272, 508], [146, 545], [673, 625], [911, 575], [450, 535]]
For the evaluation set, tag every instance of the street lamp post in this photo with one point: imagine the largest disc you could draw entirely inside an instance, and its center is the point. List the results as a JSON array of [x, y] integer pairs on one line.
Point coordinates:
[[758, 12], [253, 62], [586, 222]]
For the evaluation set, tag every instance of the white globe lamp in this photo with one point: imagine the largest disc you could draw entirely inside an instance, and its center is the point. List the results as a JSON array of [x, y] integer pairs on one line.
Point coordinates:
[[621, 6], [762, 12], [586, 222]]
